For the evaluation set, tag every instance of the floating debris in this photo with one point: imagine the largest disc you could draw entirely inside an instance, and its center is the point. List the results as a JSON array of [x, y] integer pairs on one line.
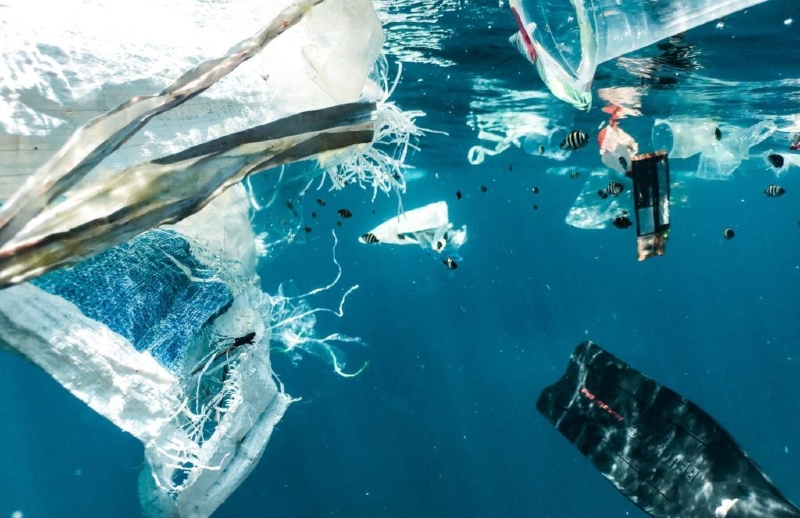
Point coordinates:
[[575, 140], [774, 191], [338, 223], [484, 188], [428, 226], [622, 222], [717, 134], [450, 263], [623, 162], [794, 142], [728, 233], [575, 175], [776, 160], [321, 202], [613, 189], [458, 195], [535, 190], [344, 213], [369, 238]]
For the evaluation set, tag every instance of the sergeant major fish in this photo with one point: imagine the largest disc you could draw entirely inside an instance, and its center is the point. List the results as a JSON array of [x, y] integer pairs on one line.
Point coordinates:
[[575, 140], [774, 191], [613, 189]]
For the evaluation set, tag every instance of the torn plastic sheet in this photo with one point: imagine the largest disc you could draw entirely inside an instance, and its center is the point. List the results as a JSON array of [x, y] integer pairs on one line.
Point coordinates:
[[723, 157], [64, 69], [195, 386], [97, 217], [428, 226], [590, 210], [39, 231], [202, 433]]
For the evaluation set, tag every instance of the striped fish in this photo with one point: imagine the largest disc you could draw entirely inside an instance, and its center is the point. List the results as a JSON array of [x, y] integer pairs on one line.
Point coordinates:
[[575, 140], [450, 263], [344, 213], [368, 238], [774, 191], [613, 189]]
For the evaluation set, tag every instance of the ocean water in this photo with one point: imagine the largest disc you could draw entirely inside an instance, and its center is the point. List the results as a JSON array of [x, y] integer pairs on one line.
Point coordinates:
[[442, 422]]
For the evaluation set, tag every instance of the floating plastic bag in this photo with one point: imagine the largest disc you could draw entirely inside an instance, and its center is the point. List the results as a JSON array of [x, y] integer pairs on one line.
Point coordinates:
[[723, 157], [591, 211], [683, 137], [568, 40]]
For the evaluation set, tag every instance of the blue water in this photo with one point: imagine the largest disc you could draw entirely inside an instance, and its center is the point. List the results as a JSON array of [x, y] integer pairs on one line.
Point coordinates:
[[443, 421]]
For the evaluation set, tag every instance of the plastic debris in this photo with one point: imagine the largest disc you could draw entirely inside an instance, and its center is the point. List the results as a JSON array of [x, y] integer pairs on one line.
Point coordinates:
[[161, 326], [428, 226], [568, 40]]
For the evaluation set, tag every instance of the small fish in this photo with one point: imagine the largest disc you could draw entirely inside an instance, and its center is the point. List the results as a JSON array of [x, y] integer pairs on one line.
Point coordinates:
[[622, 222], [776, 160], [313, 214], [623, 162], [575, 140], [321, 202], [510, 167], [613, 189], [535, 190], [574, 175], [458, 195], [484, 188], [373, 211], [535, 207], [717, 134], [774, 191], [728, 233], [307, 229], [338, 223], [290, 205], [368, 238], [450, 263], [344, 213], [541, 150]]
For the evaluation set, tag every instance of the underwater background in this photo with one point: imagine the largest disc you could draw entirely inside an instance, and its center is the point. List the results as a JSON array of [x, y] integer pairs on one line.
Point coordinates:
[[442, 422]]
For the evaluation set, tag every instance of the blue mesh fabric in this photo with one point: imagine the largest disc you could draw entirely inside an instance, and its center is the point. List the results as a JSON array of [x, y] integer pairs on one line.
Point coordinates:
[[143, 295]]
